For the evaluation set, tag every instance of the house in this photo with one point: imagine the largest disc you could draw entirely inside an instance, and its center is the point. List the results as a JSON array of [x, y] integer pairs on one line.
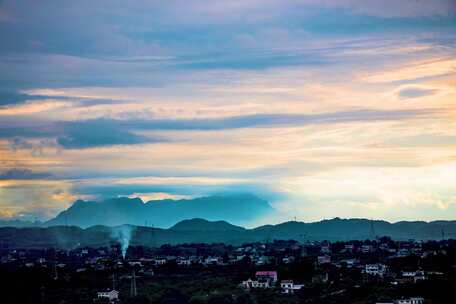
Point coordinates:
[[418, 300], [184, 262], [266, 276], [325, 249], [111, 295], [404, 301], [289, 287], [288, 259], [413, 275], [262, 260], [349, 248], [419, 276], [160, 261], [320, 278], [213, 261], [255, 284], [323, 259], [366, 248], [350, 262], [403, 252], [375, 269], [149, 272]]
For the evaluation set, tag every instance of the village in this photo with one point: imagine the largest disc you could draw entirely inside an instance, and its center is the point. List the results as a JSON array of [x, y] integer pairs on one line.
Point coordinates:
[[407, 272]]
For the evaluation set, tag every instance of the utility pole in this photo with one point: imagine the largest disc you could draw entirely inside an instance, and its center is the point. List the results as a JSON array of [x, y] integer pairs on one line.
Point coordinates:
[[133, 292], [152, 239], [56, 275]]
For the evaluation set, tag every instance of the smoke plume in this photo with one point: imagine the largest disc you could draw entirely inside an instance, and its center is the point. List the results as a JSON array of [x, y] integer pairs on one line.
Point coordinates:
[[123, 234]]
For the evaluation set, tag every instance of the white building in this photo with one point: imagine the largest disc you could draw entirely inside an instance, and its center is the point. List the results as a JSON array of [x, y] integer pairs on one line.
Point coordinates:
[[410, 301], [111, 295], [325, 249], [288, 259], [413, 275], [160, 261], [213, 261], [289, 287], [366, 248], [375, 269], [255, 284], [184, 262]]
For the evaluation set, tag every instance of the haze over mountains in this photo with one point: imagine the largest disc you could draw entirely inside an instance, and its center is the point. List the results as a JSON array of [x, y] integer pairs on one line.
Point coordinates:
[[235, 208]]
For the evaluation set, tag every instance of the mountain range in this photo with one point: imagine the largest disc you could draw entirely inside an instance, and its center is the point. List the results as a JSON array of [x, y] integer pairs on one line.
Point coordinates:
[[203, 231], [207, 219], [236, 208]]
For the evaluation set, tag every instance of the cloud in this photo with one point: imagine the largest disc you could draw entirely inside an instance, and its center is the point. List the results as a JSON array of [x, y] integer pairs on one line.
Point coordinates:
[[249, 121], [415, 92], [97, 133], [415, 70], [30, 199], [258, 90], [424, 140], [13, 97], [108, 132], [23, 174]]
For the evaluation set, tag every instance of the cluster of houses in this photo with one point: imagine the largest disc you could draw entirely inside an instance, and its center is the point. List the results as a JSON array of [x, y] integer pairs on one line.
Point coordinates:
[[269, 279], [413, 300], [110, 295], [373, 259]]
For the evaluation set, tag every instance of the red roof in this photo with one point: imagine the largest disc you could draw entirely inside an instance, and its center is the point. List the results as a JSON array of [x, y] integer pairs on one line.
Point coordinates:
[[266, 273]]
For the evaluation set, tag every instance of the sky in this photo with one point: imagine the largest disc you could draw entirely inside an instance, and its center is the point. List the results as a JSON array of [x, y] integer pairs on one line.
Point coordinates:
[[324, 108]]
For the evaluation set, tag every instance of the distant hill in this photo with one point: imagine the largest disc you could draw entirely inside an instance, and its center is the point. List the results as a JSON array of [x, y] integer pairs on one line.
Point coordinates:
[[203, 231], [235, 208], [347, 229], [205, 225]]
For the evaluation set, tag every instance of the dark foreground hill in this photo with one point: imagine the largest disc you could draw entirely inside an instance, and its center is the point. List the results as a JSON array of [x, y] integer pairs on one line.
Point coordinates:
[[235, 208], [203, 231]]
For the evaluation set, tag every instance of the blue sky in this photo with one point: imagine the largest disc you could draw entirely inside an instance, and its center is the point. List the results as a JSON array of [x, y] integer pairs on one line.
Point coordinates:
[[325, 108]]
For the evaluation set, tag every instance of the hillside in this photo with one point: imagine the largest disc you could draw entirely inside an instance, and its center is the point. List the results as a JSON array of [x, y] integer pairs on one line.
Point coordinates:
[[203, 231]]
